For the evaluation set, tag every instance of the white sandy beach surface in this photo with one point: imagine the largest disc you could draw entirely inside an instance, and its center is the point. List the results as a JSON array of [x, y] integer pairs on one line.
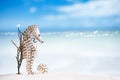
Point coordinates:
[[57, 76]]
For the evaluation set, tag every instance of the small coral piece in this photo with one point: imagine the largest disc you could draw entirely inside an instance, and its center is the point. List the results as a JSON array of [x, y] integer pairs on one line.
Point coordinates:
[[42, 68]]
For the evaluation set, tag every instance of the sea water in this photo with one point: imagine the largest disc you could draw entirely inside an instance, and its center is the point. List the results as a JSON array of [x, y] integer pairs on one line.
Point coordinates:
[[84, 52]]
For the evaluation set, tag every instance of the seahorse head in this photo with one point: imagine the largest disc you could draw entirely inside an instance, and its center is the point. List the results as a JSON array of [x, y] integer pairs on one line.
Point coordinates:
[[33, 32]]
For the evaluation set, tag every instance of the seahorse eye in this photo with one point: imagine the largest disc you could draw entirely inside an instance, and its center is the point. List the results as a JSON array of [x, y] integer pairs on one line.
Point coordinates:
[[39, 35]]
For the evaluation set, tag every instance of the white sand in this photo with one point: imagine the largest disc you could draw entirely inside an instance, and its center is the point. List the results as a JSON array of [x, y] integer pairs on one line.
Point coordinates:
[[57, 76]]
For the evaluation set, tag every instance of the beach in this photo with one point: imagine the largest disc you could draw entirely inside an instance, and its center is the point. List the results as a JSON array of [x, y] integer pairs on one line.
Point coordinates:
[[57, 76], [86, 55]]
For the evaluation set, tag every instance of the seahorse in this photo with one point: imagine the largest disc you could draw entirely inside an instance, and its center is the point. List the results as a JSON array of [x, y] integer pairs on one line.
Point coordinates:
[[29, 47]]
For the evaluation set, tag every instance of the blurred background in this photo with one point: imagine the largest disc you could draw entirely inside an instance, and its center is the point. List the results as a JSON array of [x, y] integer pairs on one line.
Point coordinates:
[[52, 15], [81, 36]]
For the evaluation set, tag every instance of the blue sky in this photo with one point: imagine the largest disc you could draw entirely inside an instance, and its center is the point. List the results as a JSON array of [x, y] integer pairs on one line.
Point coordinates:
[[53, 15]]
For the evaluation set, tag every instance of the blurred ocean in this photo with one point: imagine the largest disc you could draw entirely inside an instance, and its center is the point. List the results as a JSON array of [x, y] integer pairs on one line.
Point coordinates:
[[84, 52]]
